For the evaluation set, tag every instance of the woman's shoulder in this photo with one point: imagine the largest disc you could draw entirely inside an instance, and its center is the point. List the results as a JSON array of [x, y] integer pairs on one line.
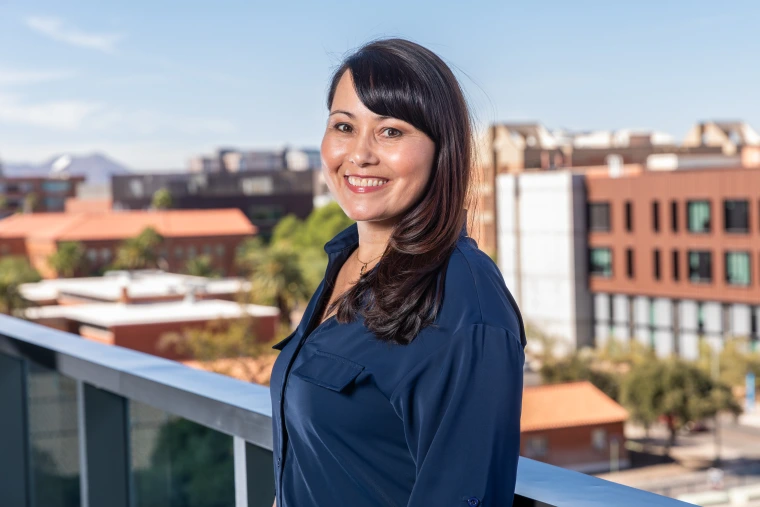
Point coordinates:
[[475, 291]]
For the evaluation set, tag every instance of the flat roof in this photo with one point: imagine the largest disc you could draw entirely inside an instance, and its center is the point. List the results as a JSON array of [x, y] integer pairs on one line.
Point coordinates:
[[139, 284], [120, 314]]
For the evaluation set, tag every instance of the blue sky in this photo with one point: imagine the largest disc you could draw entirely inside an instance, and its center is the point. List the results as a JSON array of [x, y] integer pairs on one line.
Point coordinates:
[[152, 83]]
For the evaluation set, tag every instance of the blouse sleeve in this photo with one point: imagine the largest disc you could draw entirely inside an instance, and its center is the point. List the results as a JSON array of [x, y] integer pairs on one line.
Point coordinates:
[[461, 415]]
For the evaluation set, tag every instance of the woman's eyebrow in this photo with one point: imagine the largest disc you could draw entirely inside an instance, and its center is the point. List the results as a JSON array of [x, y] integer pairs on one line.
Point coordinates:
[[340, 111], [351, 115]]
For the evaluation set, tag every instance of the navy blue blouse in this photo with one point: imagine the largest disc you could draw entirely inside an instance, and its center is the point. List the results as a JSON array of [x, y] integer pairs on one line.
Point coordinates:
[[359, 422]]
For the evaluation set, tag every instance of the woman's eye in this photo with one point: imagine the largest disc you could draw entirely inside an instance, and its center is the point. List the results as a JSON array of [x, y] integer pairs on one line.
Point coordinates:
[[391, 132], [343, 127]]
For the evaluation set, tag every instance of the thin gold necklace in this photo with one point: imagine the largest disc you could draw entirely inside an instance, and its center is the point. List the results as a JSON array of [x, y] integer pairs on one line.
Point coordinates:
[[361, 271]]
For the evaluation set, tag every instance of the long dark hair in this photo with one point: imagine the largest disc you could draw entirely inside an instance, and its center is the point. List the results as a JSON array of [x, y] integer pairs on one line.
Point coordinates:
[[401, 79]]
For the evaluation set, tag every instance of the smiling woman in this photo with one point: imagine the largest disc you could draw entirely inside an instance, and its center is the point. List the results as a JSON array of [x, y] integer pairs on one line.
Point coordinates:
[[402, 386]]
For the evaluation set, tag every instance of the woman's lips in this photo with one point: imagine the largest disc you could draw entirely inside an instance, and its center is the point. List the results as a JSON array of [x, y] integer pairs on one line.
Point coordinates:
[[364, 190]]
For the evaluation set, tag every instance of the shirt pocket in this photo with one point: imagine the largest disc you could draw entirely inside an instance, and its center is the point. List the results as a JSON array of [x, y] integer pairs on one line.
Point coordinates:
[[328, 370]]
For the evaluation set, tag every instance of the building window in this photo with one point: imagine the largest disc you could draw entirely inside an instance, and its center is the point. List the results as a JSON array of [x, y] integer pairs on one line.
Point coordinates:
[[599, 439], [56, 186], [599, 216], [206, 249], [629, 216], [105, 254], [674, 215], [736, 215], [698, 213], [655, 216], [700, 266], [737, 268], [656, 263], [629, 262], [178, 252], [191, 252], [220, 250], [700, 318], [92, 255], [676, 266], [601, 262], [536, 447]]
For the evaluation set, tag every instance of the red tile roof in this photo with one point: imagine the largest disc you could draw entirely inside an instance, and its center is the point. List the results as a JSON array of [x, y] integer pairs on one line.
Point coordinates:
[[118, 225], [566, 405]]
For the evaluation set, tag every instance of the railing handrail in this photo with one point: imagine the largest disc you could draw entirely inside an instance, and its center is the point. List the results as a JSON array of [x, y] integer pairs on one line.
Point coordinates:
[[243, 409], [220, 402]]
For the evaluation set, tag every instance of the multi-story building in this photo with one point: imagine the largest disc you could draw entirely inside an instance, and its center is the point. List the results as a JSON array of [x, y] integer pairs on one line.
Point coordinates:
[[667, 258], [37, 194], [232, 160], [186, 234], [675, 256], [263, 197]]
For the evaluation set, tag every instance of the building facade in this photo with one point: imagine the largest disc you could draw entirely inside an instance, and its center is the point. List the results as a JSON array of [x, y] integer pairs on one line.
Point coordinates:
[[264, 197], [37, 194]]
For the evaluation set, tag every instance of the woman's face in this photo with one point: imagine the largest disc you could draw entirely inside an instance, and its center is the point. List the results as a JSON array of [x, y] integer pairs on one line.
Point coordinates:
[[376, 167]]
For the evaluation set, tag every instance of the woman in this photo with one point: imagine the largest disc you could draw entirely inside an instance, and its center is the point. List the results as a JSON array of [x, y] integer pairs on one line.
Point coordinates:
[[402, 385]]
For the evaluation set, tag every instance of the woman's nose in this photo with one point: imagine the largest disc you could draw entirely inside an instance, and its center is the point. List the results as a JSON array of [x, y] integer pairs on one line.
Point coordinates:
[[362, 152]]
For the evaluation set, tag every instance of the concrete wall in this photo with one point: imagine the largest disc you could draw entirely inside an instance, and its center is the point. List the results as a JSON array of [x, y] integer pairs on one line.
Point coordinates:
[[542, 252]]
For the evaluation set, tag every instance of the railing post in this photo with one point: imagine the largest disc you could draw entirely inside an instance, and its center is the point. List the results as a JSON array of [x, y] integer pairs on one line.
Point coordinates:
[[15, 466], [105, 467], [254, 475]]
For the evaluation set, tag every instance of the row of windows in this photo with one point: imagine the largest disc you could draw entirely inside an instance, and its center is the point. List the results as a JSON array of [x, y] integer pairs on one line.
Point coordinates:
[[698, 216], [699, 265], [105, 254]]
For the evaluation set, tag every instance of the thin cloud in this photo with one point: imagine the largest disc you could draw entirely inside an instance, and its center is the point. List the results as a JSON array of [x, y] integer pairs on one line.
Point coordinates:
[[58, 30], [11, 77], [59, 115]]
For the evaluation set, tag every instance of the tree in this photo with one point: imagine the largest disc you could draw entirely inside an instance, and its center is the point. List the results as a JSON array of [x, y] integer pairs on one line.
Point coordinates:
[[31, 201], [162, 199], [69, 259], [277, 278], [233, 339], [14, 270], [139, 252], [581, 365], [674, 389], [202, 265]]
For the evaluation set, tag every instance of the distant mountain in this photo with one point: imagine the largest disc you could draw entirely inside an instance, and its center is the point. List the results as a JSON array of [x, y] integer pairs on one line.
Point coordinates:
[[96, 168]]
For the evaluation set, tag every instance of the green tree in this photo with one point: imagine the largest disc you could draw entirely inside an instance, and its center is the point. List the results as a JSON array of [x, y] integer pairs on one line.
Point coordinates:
[[69, 259], [139, 252], [220, 339], [14, 270], [202, 265], [162, 199], [581, 365], [674, 389], [276, 276]]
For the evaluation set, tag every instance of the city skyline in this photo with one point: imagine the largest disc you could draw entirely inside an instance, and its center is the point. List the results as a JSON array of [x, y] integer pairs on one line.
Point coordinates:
[[152, 86]]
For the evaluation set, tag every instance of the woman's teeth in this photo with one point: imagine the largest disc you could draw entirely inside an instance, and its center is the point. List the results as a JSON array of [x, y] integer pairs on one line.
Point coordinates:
[[366, 182]]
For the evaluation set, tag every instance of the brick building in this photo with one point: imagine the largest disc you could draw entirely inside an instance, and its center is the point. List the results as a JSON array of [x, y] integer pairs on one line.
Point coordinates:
[[573, 425], [186, 233], [38, 193]]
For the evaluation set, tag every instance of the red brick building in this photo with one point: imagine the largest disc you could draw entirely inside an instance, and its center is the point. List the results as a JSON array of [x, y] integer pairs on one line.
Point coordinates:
[[187, 234], [573, 425]]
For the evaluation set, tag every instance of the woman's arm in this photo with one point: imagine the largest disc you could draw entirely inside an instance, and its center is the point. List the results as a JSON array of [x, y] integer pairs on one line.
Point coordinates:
[[461, 413]]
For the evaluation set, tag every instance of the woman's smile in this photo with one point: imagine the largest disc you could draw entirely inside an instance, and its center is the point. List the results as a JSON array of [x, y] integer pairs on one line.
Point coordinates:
[[361, 185]]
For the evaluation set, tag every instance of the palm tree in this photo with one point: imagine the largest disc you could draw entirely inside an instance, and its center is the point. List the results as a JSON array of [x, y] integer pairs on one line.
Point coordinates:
[[139, 252], [14, 270], [276, 277], [201, 265], [69, 259]]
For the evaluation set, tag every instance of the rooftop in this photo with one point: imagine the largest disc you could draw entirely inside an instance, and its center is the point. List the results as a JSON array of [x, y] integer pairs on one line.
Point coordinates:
[[119, 314], [118, 225], [565, 405], [140, 284]]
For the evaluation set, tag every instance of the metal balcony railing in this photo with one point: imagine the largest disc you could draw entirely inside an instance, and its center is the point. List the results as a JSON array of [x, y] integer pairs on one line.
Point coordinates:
[[84, 423]]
